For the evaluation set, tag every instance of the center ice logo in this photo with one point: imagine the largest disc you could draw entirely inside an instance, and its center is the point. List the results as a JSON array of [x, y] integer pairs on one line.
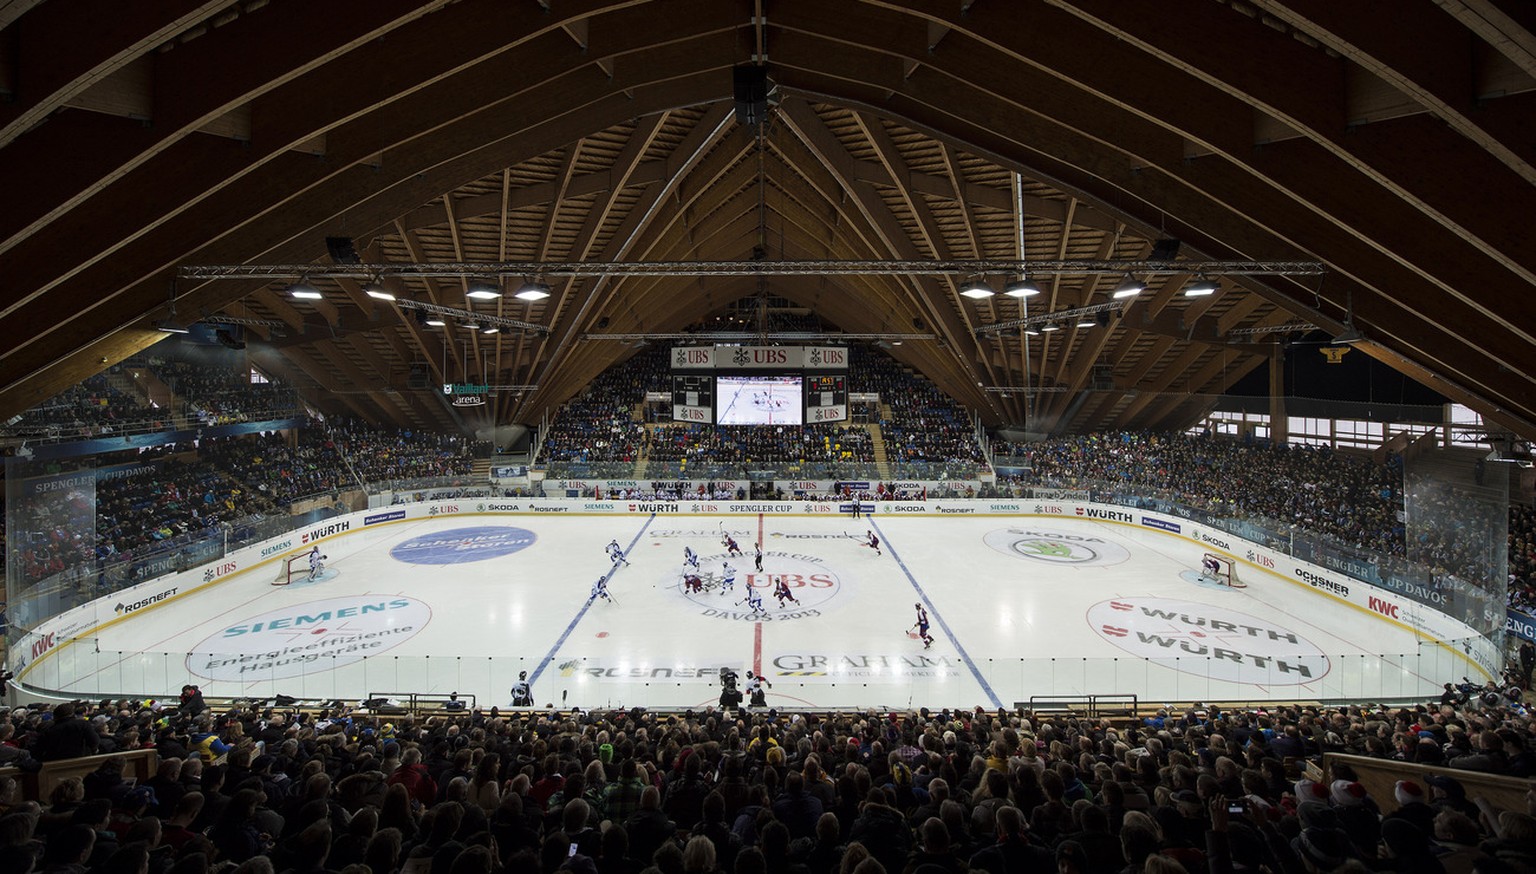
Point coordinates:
[[1207, 641], [460, 545], [308, 638], [811, 582], [1056, 547]]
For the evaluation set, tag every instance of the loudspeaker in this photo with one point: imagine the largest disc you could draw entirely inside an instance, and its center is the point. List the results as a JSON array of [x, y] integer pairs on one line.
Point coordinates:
[[1165, 249], [917, 324], [602, 322], [751, 92], [343, 250], [1102, 319], [417, 378]]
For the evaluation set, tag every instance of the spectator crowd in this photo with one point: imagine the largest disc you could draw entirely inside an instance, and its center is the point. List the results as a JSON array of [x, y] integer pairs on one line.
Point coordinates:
[[254, 789]]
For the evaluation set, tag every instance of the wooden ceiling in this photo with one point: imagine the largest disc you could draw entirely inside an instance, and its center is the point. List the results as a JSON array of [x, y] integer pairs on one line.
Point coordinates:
[[139, 138]]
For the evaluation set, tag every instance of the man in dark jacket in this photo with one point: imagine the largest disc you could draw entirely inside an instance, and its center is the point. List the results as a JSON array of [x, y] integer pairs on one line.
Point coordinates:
[[797, 809], [1013, 852], [882, 829], [648, 827], [67, 737]]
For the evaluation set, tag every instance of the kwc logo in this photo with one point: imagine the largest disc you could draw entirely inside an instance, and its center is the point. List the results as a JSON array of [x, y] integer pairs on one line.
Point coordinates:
[[1385, 608], [42, 645]]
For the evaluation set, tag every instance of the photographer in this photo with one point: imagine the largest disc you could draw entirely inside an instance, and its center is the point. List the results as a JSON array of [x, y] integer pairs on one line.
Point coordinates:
[[730, 694]]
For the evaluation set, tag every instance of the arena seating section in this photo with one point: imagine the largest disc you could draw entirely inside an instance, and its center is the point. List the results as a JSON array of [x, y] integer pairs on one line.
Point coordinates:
[[138, 786]]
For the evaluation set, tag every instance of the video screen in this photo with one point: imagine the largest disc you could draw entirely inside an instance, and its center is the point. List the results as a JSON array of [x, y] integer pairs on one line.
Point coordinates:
[[758, 400]]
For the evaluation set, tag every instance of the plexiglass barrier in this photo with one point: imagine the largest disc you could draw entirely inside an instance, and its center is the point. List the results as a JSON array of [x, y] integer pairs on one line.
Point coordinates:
[[84, 670]]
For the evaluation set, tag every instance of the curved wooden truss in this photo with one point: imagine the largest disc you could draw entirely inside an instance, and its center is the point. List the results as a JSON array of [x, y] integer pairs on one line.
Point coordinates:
[[140, 138]]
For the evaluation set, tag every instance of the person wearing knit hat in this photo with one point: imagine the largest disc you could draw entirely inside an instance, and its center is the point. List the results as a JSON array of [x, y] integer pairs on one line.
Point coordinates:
[[605, 754], [1412, 806], [1309, 790], [1346, 793], [1321, 849]]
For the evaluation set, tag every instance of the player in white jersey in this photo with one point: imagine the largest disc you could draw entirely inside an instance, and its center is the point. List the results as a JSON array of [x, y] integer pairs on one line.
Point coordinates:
[[316, 563], [727, 577], [600, 590], [872, 541], [616, 553], [690, 557], [922, 625], [754, 601], [522, 691], [756, 697]]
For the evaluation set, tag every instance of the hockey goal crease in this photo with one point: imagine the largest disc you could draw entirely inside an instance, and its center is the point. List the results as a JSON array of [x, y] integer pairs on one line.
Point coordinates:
[[1226, 570]]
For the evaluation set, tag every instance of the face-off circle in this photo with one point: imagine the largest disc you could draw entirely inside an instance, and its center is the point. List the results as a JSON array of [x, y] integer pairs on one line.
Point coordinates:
[[1212, 642], [308, 638], [1059, 548], [811, 581], [462, 545]]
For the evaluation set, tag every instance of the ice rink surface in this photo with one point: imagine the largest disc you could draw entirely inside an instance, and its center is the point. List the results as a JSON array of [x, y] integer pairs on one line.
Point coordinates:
[[1020, 607]]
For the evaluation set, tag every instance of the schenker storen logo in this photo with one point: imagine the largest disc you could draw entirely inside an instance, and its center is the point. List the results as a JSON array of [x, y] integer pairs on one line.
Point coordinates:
[[1056, 547]]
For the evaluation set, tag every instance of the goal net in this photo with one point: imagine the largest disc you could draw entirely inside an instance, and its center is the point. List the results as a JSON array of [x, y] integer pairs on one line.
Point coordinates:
[[291, 569], [1225, 571]]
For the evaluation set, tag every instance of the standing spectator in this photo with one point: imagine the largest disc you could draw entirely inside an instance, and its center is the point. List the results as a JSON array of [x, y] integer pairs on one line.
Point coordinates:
[[67, 737]]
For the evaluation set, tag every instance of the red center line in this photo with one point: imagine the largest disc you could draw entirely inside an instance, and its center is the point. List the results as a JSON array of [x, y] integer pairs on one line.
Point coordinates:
[[757, 627]]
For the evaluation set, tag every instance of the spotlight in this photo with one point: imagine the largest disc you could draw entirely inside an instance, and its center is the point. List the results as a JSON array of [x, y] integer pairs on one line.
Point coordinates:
[[302, 290], [1130, 286], [483, 289], [1050, 327], [976, 288], [1086, 323], [1031, 332], [1201, 287], [491, 330], [435, 322], [377, 292], [532, 291], [1350, 336], [1021, 287], [171, 327]]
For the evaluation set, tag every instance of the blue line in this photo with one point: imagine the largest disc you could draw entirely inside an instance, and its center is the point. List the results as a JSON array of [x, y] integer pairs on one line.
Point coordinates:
[[964, 656], [550, 656]]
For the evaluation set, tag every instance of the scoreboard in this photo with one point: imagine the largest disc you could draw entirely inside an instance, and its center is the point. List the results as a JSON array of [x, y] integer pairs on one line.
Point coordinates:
[[693, 398], [826, 399]]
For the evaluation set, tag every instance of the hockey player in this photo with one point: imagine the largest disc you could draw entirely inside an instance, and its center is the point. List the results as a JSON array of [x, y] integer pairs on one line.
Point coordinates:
[[754, 601], [690, 557], [616, 553], [522, 691], [922, 625], [727, 577], [758, 558], [692, 582], [872, 541], [756, 697], [600, 590], [730, 546], [316, 563], [1209, 567], [781, 591]]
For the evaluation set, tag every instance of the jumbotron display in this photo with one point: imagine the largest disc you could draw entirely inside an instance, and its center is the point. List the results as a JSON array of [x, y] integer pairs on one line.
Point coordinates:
[[759, 400], [760, 385]]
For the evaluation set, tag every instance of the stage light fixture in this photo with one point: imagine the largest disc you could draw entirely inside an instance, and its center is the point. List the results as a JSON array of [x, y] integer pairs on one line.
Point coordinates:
[[976, 289], [1021, 287], [532, 291], [1130, 286], [377, 292], [302, 290], [1201, 287], [483, 289]]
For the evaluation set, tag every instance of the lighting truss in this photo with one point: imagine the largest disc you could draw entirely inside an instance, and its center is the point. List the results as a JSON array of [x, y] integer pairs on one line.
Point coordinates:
[[469, 315], [1285, 328], [922, 267], [748, 336], [1058, 316], [246, 321]]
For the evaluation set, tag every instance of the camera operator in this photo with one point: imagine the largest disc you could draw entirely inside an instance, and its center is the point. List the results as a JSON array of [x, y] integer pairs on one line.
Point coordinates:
[[730, 694]]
